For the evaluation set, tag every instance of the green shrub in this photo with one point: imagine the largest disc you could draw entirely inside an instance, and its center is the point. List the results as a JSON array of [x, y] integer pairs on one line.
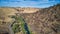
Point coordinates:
[[16, 28]]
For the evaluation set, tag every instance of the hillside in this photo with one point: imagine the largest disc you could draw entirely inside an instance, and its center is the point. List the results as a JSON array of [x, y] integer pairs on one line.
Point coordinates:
[[31, 20], [45, 21]]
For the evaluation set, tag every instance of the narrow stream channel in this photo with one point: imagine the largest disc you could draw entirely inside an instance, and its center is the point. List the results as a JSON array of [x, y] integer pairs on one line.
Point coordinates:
[[24, 24], [26, 27]]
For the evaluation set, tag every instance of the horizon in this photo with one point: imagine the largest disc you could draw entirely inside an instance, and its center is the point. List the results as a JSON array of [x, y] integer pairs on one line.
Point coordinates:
[[28, 3]]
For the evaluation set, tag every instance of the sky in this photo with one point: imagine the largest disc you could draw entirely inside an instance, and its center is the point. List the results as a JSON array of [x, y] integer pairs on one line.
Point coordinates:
[[28, 3]]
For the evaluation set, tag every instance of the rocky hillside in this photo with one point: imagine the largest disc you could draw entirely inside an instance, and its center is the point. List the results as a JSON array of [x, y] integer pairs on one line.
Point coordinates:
[[31, 20], [45, 21]]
